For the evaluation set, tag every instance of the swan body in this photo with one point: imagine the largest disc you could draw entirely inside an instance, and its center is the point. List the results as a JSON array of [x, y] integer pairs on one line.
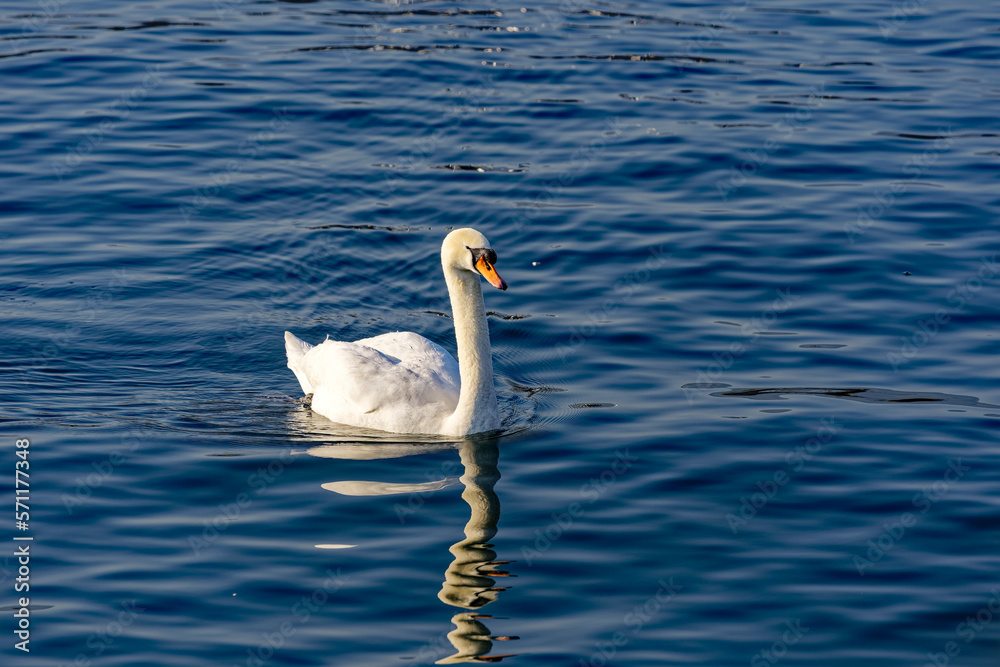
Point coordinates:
[[402, 382]]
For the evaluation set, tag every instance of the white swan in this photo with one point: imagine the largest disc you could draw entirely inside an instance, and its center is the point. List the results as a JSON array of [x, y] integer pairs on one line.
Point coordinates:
[[402, 382]]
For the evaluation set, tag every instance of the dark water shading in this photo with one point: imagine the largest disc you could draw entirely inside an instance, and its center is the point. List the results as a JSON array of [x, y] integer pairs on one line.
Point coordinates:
[[746, 364], [872, 395]]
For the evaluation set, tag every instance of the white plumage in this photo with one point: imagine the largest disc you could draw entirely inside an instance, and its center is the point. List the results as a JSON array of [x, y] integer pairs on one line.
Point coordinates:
[[402, 382], [399, 382]]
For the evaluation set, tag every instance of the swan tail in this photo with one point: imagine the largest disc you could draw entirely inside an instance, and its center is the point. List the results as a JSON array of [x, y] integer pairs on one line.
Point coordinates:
[[296, 350]]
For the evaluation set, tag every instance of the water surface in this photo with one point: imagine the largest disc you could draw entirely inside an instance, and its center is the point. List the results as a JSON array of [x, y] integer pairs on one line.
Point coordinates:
[[746, 362]]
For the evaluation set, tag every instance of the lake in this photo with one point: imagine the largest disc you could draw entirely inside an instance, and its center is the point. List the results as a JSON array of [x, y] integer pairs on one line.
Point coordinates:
[[746, 365]]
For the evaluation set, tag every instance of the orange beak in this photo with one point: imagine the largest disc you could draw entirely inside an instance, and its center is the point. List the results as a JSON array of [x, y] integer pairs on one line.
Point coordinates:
[[485, 268]]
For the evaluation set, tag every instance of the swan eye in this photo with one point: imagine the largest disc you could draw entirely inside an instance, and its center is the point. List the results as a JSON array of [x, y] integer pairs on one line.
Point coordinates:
[[488, 254]]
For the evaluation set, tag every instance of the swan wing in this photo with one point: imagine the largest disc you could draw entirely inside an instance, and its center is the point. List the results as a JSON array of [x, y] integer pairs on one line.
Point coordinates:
[[417, 354], [398, 382]]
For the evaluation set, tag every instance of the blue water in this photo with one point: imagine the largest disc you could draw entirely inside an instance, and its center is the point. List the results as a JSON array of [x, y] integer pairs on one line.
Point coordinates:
[[747, 361]]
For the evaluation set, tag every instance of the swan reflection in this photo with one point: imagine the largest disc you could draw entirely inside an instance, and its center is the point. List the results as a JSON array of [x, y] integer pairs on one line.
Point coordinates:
[[470, 580]]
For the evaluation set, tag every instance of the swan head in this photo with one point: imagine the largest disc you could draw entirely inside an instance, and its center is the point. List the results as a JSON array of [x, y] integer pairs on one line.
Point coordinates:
[[468, 250]]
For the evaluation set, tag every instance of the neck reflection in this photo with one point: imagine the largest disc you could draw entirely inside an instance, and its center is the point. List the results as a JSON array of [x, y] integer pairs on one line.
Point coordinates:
[[470, 580]]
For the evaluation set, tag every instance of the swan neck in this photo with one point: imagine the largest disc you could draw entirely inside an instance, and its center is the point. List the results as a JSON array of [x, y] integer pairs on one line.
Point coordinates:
[[477, 403]]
